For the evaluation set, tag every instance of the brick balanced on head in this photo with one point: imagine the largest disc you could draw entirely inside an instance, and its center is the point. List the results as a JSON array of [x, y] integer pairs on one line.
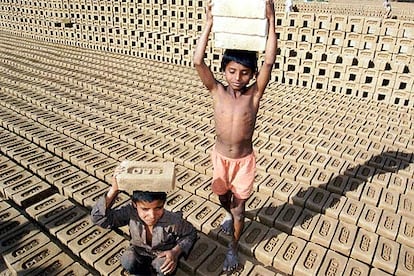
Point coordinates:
[[146, 176], [240, 24]]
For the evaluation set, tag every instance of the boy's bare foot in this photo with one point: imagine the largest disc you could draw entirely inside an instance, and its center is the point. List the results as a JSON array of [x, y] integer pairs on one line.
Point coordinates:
[[227, 225], [231, 262]]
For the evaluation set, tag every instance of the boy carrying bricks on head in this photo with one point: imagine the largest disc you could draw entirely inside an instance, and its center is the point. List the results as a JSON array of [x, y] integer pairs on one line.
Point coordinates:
[[235, 109], [158, 237]]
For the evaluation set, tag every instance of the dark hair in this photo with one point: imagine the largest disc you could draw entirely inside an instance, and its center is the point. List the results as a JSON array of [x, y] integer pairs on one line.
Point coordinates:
[[148, 196], [246, 58]]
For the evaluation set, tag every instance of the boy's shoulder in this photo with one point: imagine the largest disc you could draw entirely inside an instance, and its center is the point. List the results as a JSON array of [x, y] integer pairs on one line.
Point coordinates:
[[174, 216]]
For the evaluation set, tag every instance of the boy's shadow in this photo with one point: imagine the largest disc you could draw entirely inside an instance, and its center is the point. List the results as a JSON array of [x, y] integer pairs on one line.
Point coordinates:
[[340, 187]]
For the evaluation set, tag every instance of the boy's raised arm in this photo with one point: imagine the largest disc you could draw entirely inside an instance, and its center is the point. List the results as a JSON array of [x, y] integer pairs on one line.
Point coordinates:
[[203, 70], [270, 51]]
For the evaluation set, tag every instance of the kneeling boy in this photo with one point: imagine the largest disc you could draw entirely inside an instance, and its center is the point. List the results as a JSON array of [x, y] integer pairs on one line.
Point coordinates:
[[158, 237]]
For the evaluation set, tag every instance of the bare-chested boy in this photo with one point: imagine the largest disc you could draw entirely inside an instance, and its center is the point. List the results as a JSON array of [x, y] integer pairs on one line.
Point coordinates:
[[235, 109]]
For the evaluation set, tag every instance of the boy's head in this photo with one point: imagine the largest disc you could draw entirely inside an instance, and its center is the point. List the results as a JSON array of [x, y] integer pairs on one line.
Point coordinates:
[[245, 58], [148, 196], [149, 205]]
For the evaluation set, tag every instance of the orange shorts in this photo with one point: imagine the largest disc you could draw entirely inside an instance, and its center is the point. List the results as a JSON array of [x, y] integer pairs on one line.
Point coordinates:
[[236, 175]]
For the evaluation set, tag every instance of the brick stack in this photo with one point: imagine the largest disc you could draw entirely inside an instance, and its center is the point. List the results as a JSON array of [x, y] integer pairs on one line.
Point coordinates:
[[240, 24]]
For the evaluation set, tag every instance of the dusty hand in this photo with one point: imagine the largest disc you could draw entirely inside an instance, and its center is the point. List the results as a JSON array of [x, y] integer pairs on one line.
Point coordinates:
[[209, 15], [170, 263], [118, 170]]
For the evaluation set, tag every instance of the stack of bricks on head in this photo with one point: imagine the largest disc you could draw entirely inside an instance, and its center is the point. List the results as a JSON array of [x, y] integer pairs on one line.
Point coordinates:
[[146, 176], [240, 24]]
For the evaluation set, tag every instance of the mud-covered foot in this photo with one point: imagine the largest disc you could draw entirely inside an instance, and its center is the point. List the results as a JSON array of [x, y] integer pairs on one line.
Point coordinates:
[[227, 225], [231, 262]]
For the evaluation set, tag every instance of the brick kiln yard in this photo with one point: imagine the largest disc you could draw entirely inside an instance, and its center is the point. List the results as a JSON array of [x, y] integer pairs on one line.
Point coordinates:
[[334, 187]]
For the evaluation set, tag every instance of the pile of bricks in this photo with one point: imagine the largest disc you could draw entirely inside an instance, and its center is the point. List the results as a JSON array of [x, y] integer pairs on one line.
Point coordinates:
[[368, 58], [240, 24]]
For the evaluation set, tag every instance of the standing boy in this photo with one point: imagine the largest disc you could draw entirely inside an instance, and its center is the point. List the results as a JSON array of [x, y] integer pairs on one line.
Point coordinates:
[[235, 109], [158, 237]]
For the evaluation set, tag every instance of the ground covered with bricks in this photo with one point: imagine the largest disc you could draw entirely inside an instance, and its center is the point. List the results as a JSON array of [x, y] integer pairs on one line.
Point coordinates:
[[333, 194]]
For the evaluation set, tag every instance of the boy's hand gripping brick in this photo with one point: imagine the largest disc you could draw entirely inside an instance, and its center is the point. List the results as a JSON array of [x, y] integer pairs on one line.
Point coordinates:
[[145, 176]]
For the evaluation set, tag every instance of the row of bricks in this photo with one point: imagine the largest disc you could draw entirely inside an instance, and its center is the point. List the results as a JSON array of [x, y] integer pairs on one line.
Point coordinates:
[[283, 191], [389, 25], [355, 131], [355, 11], [371, 193], [287, 169], [342, 40], [360, 109], [93, 29], [28, 251], [127, 39], [365, 91], [338, 186], [346, 23], [352, 56], [124, 6], [117, 60], [312, 63], [203, 116], [324, 21], [108, 144], [184, 138], [365, 143], [367, 58], [92, 6], [126, 69], [372, 27], [397, 83], [283, 188], [121, 46], [386, 95], [366, 47], [177, 23], [377, 112]]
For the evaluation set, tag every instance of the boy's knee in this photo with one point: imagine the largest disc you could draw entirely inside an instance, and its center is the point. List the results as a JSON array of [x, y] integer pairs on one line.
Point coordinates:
[[128, 261], [238, 214], [156, 264], [134, 263], [128, 258]]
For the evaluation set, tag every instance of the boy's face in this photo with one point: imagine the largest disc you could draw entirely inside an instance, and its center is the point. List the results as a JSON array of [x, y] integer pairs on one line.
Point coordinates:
[[237, 75], [150, 212]]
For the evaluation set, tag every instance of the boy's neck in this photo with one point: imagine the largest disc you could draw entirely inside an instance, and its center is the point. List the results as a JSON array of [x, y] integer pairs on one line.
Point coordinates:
[[236, 93]]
